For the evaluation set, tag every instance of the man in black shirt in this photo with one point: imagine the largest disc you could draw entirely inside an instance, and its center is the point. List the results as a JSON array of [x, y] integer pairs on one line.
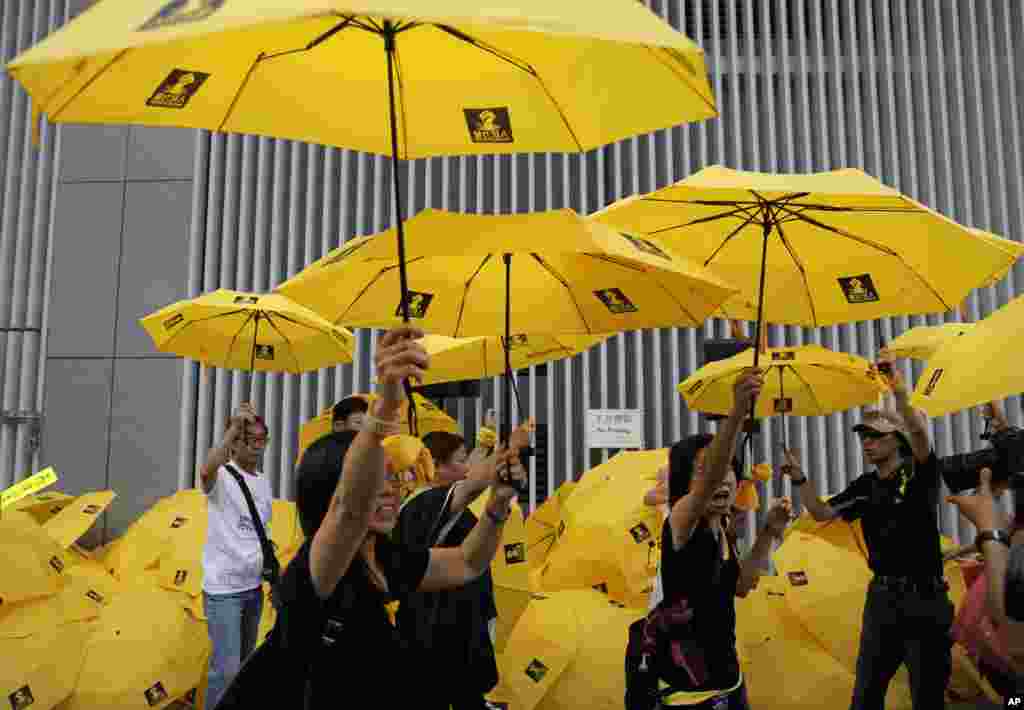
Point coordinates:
[[908, 614]]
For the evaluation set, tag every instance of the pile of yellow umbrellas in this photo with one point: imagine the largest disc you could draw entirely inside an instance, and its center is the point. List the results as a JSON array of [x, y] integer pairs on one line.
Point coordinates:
[[120, 627]]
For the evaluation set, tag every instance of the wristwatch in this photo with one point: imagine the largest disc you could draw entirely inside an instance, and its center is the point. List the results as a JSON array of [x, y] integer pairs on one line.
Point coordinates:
[[992, 536]]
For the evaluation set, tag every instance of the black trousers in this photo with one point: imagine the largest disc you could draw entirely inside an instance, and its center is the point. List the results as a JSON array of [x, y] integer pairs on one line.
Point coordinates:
[[904, 625], [454, 698]]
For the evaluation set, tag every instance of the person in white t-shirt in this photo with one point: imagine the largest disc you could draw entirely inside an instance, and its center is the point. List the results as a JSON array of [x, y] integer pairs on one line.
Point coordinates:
[[658, 497], [232, 557]]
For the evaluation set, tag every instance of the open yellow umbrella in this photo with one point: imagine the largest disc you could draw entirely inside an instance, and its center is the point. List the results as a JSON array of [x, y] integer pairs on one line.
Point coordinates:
[[1014, 250], [611, 540], [453, 359], [145, 651], [43, 506], [826, 248], [34, 562], [246, 331], [40, 669], [977, 367], [566, 653], [923, 341], [804, 381]]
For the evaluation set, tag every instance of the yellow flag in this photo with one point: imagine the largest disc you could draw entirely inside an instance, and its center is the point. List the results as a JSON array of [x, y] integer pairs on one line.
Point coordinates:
[[32, 484]]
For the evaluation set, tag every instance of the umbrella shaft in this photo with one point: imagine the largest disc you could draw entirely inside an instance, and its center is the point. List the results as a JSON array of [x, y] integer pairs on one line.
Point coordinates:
[[506, 394], [403, 277]]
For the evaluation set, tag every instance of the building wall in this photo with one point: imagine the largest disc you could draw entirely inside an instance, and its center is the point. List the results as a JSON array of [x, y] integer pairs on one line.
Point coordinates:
[[922, 94]]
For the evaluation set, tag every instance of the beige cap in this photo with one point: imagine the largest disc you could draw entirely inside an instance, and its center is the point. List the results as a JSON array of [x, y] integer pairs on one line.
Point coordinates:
[[884, 422]]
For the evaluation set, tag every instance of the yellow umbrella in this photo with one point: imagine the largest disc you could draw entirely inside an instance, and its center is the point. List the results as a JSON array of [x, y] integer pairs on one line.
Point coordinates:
[[145, 651], [40, 669], [77, 517], [978, 367], [803, 381], [453, 359], [43, 506], [922, 342], [611, 539], [544, 527], [1014, 250], [561, 275], [255, 332], [566, 652], [836, 246], [34, 562]]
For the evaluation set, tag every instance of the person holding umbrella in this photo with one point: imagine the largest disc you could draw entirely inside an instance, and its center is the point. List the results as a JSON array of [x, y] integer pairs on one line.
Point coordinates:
[[333, 618], [908, 613]]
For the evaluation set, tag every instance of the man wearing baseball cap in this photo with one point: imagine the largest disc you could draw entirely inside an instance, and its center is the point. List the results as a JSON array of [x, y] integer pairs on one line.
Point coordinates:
[[908, 614]]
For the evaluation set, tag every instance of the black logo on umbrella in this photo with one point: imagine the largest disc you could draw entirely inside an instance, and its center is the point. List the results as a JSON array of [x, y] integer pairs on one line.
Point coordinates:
[[784, 355], [178, 522], [602, 587], [515, 553], [418, 304], [933, 382], [156, 694], [798, 579], [695, 386], [247, 300], [783, 405], [489, 125], [640, 532], [561, 528], [179, 577], [646, 246], [91, 509], [615, 300], [177, 89], [514, 341], [21, 698], [263, 352], [536, 670], [345, 252], [56, 509], [95, 596], [173, 321], [57, 564], [859, 289], [179, 12]]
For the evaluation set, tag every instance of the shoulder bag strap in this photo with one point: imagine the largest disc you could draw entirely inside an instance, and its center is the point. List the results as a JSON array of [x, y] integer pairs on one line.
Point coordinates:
[[269, 558]]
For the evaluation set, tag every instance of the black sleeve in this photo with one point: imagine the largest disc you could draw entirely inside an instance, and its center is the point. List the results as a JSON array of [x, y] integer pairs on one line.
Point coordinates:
[[850, 502], [402, 565], [417, 518], [928, 470], [302, 609], [1013, 600]]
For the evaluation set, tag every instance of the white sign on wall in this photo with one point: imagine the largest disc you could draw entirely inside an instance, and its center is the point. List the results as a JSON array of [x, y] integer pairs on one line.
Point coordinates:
[[615, 428]]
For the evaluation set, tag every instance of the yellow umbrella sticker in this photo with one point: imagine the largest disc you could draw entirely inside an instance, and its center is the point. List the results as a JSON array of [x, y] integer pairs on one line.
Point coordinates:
[[32, 484]]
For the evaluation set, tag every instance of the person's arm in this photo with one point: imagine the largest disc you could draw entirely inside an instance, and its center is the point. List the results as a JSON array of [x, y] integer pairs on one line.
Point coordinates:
[[484, 471], [687, 511], [757, 561], [336, 542], [993, 412], [659, 494], [221, 454], [805, 490], [917, 425], [451, 567], [962, 551]]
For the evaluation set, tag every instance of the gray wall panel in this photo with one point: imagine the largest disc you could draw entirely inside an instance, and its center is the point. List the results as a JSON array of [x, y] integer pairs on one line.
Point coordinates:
[[93, 152], [159, 153], [154, 258]]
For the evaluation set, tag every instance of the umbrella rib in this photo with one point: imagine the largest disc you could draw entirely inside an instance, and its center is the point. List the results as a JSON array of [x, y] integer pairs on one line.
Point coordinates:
[[679, 303], [658, 53], [291, 347], [465, 293], [299, 323], [810, 390], [564, 283], [803, 271], [750, 220], [202, 320], [367, 287], [231, 346], [519, 64], [707, 388], [880, 247], [116, 58]]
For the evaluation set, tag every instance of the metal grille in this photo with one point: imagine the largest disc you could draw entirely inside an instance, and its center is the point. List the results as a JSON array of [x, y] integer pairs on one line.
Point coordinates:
[[923, 95]]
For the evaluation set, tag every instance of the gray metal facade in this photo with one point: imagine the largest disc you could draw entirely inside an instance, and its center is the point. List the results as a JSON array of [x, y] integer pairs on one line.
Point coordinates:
[[923, 94]]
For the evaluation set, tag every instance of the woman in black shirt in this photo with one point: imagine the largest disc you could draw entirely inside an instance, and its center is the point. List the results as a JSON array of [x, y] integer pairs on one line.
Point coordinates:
[[700, 564], [333, 624]]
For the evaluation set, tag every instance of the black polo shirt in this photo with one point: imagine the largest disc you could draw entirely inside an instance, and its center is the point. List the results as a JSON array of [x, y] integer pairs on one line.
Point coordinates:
[[899, 516]]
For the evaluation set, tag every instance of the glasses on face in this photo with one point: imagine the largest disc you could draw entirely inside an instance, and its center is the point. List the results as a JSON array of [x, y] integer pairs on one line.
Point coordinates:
[[871, 435]]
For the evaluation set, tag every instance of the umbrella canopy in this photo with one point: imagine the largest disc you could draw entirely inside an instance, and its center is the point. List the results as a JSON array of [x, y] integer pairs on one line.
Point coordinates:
[[453, 359], [834, 247], [611, 540], [255, 332], [978, 367], [35, 563], [554, 271], [43, 506], [465, 77], [923, 341], [40, 669], [542, 528], [145, 651], [804, 381], [77, 517], [1014, 250]]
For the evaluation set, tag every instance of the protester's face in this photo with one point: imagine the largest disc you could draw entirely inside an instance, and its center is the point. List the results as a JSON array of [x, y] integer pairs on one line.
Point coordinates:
[[385, 512], [725, 495], [250, 446], [456, 468], [878, 447]]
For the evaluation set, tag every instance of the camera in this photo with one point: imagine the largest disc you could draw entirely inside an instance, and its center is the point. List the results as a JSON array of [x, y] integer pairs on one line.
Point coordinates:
[[1005, 458]]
